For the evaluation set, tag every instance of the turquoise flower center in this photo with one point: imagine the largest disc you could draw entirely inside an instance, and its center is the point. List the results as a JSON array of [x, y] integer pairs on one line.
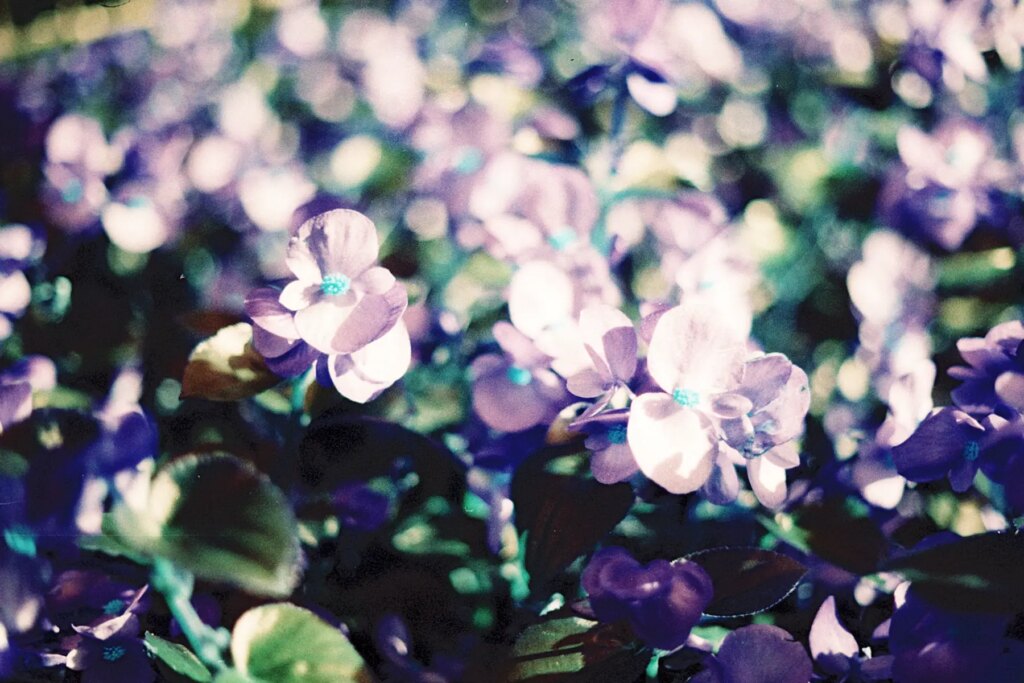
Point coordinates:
[[468, 160], [73, 191], [112, 653], [335, 284], [686, 397], [562, 239], [617, 434], [20, 540], [971, 451], [113, 607], [518, 376]]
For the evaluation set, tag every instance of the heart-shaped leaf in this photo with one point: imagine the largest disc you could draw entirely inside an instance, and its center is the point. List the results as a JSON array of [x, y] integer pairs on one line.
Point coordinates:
[[219, 518], [564, 515], [226, 367], [747, 580], [575, 649], [178, 657], [283, 643], [973, 574]]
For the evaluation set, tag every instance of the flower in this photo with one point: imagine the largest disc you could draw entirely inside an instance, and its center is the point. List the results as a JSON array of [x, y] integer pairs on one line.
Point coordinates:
[[341, 300], [661, 601], [993, 380], [610, 342], [835, 650]]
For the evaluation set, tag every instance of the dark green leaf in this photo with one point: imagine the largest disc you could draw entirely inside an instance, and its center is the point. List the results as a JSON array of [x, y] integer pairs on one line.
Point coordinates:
[[973, 574], [841, 533], [219, 518], [571, 649], [747, 580], [284, 643], [563, 515], [225, 367], [178, 657]]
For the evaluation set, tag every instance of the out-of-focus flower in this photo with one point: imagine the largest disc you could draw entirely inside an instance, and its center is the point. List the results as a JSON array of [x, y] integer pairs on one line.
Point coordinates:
[[661, 601], [516, 390], [993, 379]]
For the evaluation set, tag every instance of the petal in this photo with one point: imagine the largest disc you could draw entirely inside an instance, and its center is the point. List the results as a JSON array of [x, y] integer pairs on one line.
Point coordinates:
[[828, 636], [763, 654], [695, 347], [15, 403], [15, 293], [376, 280], [609, 333], [540, 297], [723, 485], [341, 241], [502, 404], [586, 384], [768, 482], [267, 312], [298, 295], [936, 446], [652, 92], [764, 378], [672, 444], [385, 360], [613, 464], [523, 351], [1010, 388], [372, 317]]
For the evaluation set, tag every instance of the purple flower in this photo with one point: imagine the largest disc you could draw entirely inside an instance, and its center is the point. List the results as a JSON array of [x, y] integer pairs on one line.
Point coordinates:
[[611, 460], [695, 354], [341, 300], [516, 390], [661, 601], [757, 654], [947, 443], [993, 380], [112, 649], [835, 650]]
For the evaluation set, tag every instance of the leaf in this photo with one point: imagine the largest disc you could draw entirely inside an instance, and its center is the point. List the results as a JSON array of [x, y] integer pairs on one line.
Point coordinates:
[[563, 515], [178, 657], [219, 518], [974, 574], [577, 650], [225, 367], [284, 643], [747, 580]]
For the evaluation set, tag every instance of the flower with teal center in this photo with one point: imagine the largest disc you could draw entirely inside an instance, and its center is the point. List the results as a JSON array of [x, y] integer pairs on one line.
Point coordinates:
[[519, 376], [563, 238], [335, 284], [686, 397], [113, 653]]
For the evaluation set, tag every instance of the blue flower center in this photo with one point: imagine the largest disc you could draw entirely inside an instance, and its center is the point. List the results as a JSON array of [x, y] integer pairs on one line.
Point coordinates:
[[113, 607], [971, 451], [617, 434], [20, 540], [468, 160], [686, 397], [563, 238], [112, 653], [73, 191], [518, 376], [335, 284]]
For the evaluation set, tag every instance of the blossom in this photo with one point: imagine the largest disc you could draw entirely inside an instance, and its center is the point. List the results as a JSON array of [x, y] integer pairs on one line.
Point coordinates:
[[341, 300], [610, 342], [695, 354], [993, 380], [662, 601]]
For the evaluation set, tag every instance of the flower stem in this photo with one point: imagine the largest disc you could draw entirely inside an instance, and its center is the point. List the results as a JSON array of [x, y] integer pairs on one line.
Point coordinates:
[[176, 587]]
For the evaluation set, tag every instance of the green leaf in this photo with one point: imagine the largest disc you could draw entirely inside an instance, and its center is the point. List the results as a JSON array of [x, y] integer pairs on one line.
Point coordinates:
[[178, 657], [225, 367], [219, 518], [287, 644], [578, 650]]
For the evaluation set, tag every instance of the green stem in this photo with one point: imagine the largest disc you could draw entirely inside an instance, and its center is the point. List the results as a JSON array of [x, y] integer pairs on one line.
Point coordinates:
[[176, 587]]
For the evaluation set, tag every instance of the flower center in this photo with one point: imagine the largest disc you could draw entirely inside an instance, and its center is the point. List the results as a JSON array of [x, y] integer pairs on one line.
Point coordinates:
[[73, 191], [468, 160], [617, 434], [562, 239], [971, 451], [20, 540], [518, 376], [112, 653], [335, 284], [686, 397], [113, 607]]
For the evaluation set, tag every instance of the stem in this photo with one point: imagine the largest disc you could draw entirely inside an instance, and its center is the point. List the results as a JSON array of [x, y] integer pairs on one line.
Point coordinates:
[[176, 586], [618, 119]]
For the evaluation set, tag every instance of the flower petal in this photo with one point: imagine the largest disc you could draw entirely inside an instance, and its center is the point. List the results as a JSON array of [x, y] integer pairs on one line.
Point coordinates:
[[768, 481], [341, 241], [828, 636], [298, 295], [672, 444]]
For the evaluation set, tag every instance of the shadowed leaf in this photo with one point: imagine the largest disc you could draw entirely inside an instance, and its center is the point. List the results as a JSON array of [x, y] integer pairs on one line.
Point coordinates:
[[747, 580]]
